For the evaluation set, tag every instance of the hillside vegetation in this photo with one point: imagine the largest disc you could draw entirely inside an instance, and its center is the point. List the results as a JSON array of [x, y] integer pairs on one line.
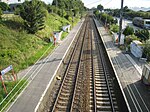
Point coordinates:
[[20, 49]]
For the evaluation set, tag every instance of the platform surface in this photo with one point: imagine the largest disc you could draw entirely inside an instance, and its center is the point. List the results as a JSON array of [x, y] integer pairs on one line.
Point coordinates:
[[129, 71]]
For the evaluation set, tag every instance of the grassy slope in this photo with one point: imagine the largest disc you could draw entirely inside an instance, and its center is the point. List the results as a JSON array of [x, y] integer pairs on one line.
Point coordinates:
[[53, 23], [21, 49]]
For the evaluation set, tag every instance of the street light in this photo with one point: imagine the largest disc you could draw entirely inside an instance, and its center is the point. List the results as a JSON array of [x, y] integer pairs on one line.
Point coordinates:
[[120, 22]]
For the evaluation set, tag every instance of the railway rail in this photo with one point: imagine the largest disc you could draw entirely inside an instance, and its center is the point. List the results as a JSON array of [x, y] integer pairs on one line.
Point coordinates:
[[66, 91], [88, 83]]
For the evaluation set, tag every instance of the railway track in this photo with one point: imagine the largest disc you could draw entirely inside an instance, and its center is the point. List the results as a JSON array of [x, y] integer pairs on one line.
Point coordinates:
[[65, 95], [103, 81], [87, 85]]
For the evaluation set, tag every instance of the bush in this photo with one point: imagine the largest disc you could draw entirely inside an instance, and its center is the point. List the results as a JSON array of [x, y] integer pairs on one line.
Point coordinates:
[[146, 50], [106, 18], [128, 31], [4, 6], [130, 38], [96, 12], [1, 13], [142, 34], [114, 28]]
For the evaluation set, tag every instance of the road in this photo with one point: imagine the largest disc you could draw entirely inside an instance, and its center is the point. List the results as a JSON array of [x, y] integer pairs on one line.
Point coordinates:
[[126, 23]]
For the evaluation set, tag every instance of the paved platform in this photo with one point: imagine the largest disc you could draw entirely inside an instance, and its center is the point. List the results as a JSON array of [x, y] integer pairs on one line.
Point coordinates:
[[129, 71], [41, 74]]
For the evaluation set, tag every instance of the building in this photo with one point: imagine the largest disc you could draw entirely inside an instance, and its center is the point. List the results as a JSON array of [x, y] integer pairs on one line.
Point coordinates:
[[6, 1]]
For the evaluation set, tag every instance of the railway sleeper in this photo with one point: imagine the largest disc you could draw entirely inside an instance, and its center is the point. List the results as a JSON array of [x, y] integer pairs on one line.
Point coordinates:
[[103, 87], [60, 108], [101, 92], [105, 95], [105, 98], [107, 102], [65, 90], [65, 94], [63, 103], [99, 103], [104, 108], [100, 80], [67, 87]]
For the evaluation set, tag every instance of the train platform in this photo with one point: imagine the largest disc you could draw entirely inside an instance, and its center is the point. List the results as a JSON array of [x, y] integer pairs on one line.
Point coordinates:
[[41, 74], [129, 71]]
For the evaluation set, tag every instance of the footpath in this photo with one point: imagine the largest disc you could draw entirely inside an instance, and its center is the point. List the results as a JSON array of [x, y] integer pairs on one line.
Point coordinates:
[[129, 72], [41, 74]]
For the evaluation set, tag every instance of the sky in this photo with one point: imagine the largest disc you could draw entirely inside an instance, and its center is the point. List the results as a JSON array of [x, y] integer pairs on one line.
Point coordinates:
[[116, 3], [108, 3]]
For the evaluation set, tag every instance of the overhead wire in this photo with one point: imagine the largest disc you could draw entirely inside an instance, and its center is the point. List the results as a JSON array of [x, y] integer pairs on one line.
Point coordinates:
[[107, 2], [93, 2]]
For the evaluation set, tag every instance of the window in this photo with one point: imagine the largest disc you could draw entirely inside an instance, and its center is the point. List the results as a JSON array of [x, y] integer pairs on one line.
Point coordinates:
[[147, 22]]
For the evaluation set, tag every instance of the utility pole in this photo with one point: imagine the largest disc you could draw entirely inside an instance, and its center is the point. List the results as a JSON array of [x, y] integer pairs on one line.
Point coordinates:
[[120, 22], [56, 3], [106, 22]]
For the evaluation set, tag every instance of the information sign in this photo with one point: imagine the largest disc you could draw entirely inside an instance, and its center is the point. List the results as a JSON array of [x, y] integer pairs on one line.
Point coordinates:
[[6, 70]]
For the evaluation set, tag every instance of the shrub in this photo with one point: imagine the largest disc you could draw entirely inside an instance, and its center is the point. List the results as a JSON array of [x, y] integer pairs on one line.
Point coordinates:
[[96, 12], [128, 31], [142, 34], [146, 50], [130, 38], [4, 6], [114, 28], [1, 13]]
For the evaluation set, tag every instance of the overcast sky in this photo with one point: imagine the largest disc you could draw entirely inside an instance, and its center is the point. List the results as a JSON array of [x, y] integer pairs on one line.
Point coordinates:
[[108, 3]]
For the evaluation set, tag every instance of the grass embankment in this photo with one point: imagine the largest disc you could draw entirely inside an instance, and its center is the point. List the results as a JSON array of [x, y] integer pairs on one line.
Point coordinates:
[[20, 49]]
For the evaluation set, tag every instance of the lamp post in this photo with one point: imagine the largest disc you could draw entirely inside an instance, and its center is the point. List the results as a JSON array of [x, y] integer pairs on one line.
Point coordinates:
[[120, 22]]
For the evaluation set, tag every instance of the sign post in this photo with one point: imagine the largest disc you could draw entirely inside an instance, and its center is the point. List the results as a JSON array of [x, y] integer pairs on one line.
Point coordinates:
[[3, 84], [13, 74], [3, 72]]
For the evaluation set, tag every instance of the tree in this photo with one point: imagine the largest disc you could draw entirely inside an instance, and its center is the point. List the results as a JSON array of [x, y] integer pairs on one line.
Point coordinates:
[[114, 28], [128, 31], [4, 6], [69, 6], [142, 34], [146, 51], [130, 38], [0, 13], [96, 12], [125, 9], [100, 7], [33, 13]]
